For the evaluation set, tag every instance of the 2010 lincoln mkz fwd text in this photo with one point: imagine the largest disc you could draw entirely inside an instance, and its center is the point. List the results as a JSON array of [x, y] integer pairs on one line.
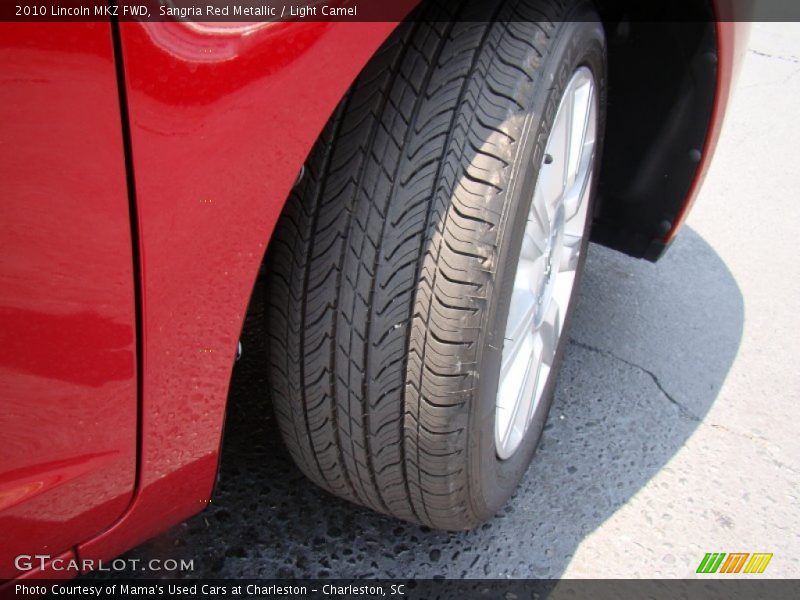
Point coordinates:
[[418, 196]]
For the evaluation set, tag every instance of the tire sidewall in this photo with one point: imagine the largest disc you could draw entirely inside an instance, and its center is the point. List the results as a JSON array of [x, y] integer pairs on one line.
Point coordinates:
[[579, 41]]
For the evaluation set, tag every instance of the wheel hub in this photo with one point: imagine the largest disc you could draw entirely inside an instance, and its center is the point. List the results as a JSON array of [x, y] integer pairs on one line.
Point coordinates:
[[551, 268]]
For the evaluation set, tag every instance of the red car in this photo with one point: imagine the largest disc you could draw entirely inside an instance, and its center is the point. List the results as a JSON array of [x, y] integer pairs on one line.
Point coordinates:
[[423, 192]]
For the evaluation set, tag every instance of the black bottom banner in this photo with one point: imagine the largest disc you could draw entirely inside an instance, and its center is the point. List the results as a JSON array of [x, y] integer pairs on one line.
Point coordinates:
[[428, 589]]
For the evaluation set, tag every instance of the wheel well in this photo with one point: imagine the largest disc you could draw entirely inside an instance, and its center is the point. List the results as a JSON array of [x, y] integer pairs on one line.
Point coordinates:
[[661, 89], [662, 83]]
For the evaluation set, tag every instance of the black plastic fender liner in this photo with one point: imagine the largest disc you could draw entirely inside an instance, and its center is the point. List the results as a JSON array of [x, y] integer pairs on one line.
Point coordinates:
[[662, 86]]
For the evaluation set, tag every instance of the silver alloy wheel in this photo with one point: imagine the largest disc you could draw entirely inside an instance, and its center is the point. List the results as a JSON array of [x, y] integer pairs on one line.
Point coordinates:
[[545, 276]]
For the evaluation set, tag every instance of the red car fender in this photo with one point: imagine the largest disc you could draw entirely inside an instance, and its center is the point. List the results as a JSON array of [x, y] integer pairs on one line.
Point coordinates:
[[221, 118]]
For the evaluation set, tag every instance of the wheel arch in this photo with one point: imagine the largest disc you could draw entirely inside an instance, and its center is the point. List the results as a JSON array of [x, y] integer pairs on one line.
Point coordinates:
[[669, 84]]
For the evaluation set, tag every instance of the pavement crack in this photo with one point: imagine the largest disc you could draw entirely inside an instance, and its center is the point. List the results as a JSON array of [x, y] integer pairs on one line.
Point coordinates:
[[791, 59], [748, 436], [685, 412]]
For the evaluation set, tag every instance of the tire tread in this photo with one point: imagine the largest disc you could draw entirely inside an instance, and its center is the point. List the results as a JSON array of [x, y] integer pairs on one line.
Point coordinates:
[[380, 270]]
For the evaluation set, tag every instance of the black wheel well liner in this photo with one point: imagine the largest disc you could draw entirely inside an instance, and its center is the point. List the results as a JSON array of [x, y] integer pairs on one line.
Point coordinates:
[[661, 90]]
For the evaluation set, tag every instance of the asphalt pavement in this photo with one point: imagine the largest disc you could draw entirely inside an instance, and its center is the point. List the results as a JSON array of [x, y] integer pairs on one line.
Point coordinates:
[[674, 431]]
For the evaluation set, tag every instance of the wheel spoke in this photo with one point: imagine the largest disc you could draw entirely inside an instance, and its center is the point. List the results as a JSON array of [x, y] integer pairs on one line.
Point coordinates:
[[544, 281], [552, 175], [514, 383], [533, 246], [541, 216], [570, 252], [549, 333], [562, 293], [568, 110], [517, 330], [579, 120], [581, 153], [575, 205]]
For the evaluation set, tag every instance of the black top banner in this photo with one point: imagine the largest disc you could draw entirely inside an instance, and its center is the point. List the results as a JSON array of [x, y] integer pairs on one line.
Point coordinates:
[[369, 10]]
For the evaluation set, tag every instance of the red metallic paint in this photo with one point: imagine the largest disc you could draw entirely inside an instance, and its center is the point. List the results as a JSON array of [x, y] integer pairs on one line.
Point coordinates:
[[42, 572], [67, 320], [221, 121]]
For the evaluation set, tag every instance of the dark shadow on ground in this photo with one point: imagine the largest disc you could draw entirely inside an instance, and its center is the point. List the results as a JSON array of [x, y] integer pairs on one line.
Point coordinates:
[[650, 347]]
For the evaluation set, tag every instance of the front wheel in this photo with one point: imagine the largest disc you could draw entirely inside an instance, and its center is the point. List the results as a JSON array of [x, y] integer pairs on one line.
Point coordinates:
[[425, 269]]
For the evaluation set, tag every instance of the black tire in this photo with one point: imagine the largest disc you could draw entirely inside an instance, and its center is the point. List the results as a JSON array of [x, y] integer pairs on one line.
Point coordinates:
[[389, 272]]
